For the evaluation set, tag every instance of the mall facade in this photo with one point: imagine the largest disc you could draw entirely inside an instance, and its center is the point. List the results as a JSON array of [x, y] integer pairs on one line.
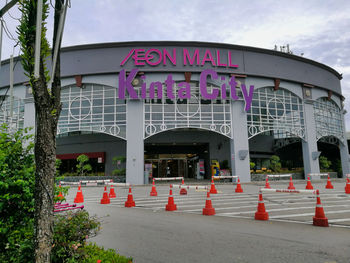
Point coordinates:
[[174, 108]]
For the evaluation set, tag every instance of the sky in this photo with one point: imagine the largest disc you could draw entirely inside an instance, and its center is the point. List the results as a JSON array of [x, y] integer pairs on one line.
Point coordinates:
[[320, 29]]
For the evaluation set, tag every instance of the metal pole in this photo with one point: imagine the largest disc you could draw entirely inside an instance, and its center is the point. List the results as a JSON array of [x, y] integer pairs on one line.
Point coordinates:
[[11, 86], [58, 39], [39, 16]]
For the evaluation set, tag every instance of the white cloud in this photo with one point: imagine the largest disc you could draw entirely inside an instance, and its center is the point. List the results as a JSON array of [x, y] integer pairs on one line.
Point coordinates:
[[319, 29]]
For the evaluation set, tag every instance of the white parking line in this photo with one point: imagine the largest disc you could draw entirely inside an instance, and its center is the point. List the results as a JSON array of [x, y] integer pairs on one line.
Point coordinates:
[[310, 214]]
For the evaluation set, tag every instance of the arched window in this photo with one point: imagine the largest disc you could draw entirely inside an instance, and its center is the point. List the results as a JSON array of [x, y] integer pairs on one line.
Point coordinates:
[[279, 113], [197, 112], [93, 108], [328, 119]]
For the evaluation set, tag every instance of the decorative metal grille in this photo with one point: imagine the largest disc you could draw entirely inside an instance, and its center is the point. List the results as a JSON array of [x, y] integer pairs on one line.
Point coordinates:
[[166, 114], [93, 108], [279, 113], [16, 120], [328, 119]]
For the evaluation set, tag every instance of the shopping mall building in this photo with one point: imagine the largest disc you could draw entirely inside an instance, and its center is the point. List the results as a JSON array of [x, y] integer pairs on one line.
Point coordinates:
[[174, 108]]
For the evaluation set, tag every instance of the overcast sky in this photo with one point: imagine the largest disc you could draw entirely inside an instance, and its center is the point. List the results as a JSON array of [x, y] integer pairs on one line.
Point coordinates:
[[318, 28]]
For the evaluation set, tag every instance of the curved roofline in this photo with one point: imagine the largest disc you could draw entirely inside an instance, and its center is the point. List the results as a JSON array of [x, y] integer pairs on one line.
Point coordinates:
[[202, 44], [197, 44]]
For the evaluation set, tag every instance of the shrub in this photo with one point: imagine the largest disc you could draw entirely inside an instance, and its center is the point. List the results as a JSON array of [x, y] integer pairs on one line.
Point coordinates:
[[252, 165], [91, 253], [324, 163], [275, 164], [119, 161], [17, 175], [83, 166], [71, 231]]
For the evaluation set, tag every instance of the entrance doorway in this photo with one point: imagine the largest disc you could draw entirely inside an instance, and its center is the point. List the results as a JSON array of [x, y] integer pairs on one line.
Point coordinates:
[[176, 160]]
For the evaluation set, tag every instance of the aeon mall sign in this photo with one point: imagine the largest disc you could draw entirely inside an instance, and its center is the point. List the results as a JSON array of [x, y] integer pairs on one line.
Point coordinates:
[[156, 57]]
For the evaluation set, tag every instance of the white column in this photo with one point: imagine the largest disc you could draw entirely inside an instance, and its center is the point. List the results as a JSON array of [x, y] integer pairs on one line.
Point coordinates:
[[310, 151], [134, 142], [239, 145]]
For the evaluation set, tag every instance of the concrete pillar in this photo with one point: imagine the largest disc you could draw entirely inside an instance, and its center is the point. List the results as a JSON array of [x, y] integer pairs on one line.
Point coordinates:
[[310, 151], [134, 142], [344, 151], [239, 145]]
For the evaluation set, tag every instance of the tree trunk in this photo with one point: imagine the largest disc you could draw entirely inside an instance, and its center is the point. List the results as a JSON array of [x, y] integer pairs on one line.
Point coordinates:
[[45, 157]]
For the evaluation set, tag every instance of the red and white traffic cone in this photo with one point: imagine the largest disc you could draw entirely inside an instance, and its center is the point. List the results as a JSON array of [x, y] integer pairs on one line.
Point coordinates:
[[112, 193], [208, 210], [291, 185], [130, 202], [267, 184], [239, 187], [347, 186], [105, 199], [329, 183], [171, 205], [261, 213], [183, 191], [308, 184], [154, 190], [212, 187], [79, 198], [319, 219]]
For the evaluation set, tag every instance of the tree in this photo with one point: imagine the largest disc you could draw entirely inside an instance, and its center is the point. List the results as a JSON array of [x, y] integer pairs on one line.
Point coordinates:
[[275, 164], [83, 166], [324, 163], [47, 110]]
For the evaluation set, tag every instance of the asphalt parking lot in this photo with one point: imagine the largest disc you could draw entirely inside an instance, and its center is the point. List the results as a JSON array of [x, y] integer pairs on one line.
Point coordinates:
[[298, 208], [148, 233]]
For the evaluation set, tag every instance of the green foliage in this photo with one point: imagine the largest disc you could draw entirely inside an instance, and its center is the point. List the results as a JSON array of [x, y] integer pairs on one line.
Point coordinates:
[[58, 165], [71, 230], [119, 161], [252, 165], [17, 175], [25, 36], [324, 163], [91, 253], [338, 168], [275, 164], [83, 166]]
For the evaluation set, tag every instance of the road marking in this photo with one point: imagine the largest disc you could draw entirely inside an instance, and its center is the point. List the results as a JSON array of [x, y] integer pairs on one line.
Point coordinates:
[[310, 214]]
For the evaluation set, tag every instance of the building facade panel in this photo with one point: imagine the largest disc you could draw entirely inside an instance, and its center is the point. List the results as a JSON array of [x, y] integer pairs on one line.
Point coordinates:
[[295, 102]]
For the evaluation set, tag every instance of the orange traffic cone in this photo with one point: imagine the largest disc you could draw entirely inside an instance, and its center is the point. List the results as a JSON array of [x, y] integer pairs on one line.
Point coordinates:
[[291, 185], [347, 186], [267, 184], [239, 187], [60, 196], [212, 187], [319, 219], [208, 210], [154, 190], [171, 205], [79, 198], [112, 193], [261, 213], [105, 199], [329, 183], [183, 191], [130, 202], [308, 184]]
